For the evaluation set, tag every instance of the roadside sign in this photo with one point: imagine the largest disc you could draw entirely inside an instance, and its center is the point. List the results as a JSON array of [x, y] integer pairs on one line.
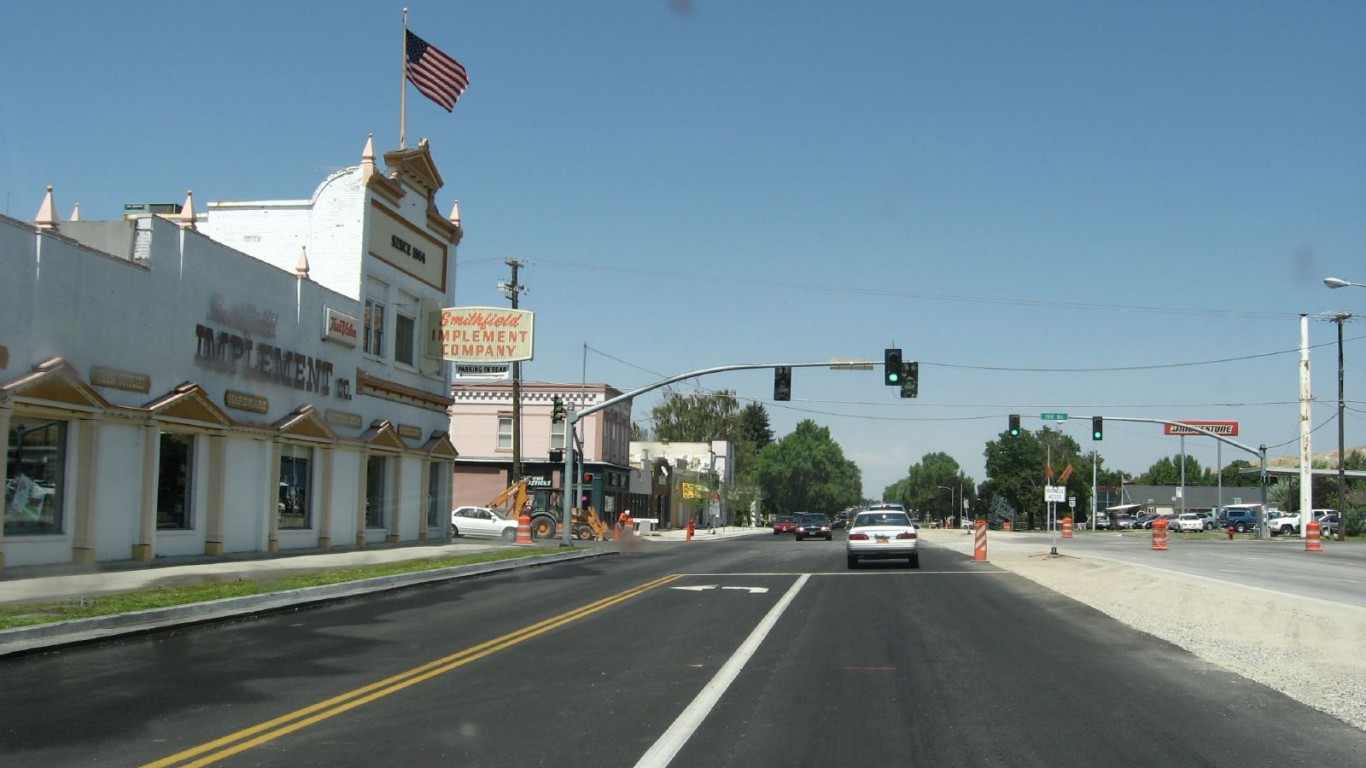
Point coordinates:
[[1055, 493], [840, 364], [1053, 416], [1221, 428]]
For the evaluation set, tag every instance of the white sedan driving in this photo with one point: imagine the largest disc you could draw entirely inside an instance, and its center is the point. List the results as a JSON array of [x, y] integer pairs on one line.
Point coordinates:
[[882, 535]]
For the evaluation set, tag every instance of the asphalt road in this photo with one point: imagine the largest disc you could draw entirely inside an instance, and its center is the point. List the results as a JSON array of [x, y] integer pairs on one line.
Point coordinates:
[[748, 652]]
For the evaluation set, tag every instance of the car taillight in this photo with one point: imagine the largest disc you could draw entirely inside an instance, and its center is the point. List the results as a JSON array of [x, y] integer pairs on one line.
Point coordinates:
[[906, 535], [858, 536]]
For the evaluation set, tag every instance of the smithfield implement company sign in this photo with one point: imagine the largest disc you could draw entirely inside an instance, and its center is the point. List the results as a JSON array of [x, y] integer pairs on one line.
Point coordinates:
[[483, 335]]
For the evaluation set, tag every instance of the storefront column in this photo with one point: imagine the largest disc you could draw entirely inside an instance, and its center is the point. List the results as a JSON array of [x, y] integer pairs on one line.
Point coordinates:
[[143, 549], [5, 413], [87, 491], [364, 477], [324, 500], [217, 487], [393, 536], [424, 496]]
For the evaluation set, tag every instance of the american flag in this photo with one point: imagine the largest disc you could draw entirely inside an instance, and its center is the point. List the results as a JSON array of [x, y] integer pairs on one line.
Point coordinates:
[[438, 76]]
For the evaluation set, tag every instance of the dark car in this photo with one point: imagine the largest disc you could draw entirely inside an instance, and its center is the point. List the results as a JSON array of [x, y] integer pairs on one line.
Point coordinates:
[[1329, 524], [813, 526], [784, 524]]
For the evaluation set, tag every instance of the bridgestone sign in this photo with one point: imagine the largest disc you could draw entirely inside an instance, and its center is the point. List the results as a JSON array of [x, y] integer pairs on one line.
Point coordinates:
[[1221, 428]]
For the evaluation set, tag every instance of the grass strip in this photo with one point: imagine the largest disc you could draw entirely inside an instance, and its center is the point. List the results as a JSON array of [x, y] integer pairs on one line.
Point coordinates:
[[30, 614]]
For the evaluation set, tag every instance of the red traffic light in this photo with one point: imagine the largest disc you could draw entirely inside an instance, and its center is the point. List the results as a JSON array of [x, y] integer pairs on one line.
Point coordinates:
[[588, 477]]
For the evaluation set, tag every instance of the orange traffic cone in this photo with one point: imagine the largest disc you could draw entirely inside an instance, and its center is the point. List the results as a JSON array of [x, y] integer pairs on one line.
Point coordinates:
[[524, 529]]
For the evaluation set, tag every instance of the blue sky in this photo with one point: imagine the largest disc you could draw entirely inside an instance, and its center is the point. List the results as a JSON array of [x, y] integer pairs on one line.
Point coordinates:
[[1093, 208]]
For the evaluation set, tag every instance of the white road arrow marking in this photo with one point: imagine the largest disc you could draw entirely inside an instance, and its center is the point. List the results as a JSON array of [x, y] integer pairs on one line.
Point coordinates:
[[705, 587]]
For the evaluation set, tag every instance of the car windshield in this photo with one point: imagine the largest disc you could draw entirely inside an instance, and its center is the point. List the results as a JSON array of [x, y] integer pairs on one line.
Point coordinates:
[[814, 520], [881, 518]]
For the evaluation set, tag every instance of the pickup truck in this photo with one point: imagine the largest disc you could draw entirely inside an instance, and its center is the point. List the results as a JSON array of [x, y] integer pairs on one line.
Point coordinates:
[[1278, 522], [1241, 519]]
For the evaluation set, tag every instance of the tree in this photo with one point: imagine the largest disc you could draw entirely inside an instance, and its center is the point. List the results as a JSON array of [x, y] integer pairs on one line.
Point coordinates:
[[754, 427], [1018, 469], [696, 418], [1167, 471], [806, 471], [922, 490]]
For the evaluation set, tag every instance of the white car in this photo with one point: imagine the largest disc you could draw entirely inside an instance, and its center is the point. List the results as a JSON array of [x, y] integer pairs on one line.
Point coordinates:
[[881, 534], [1189, 521], [1286, 523], [481, 521]]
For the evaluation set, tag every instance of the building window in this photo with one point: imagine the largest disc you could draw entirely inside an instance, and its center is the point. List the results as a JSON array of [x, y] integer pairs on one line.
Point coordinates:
[[376, 509], [175, 486], [374, 326], [504, 433], [296, 487], [405, 338], [35, 465]]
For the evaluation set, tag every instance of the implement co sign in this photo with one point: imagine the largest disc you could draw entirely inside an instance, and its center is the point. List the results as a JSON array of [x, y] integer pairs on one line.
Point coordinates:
[[1221, 428], [484, 335]]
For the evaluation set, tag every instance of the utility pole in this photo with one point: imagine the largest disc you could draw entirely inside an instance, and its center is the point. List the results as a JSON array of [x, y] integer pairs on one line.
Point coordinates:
[[512, 289]]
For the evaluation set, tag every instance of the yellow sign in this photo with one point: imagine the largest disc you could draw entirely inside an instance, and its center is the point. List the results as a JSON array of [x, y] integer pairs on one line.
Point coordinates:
[[694, 491], [485, 334]]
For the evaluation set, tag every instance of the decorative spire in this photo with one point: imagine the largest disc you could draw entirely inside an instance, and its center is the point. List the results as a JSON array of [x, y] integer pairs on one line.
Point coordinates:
[[455, 213], [75, 213], [187, 212], [301, 267], [367, 159], [47, 212]]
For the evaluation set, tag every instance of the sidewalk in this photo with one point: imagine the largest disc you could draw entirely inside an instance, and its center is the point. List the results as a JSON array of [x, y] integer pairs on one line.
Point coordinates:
[[51, 583]]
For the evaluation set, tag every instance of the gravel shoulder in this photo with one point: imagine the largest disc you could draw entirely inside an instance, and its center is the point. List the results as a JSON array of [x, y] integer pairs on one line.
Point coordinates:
[[1308, 649]]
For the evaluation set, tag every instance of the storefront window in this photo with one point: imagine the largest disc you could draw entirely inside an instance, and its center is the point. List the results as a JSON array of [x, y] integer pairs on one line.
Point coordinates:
[[504, 433], [296, 486], [376, 512], [175, 485], [35, 464]]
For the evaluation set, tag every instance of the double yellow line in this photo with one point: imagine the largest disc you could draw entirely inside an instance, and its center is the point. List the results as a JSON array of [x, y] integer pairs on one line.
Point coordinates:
[[243, 740]]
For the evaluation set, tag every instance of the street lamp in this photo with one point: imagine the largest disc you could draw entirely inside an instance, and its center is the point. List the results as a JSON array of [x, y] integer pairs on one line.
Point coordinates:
[[1340, 318], [951, 501]]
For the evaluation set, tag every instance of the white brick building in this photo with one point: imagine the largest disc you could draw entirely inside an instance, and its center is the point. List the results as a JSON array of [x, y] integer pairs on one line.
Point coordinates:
[[249, 379]]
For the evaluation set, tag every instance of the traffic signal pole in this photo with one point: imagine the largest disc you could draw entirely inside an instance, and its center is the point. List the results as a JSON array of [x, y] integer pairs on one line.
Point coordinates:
[[572, 417], [1259, 452]]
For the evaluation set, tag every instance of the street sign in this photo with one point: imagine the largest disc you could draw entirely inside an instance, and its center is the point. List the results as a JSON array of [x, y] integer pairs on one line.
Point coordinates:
[[1053, 416], [840, 364], [1225, 428], [1055, 493]]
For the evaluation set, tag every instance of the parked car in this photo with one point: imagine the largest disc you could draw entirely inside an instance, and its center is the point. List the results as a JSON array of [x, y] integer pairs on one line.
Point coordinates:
[[481, 521], [813, 526], [1286, 523], [1240, 517], [1122, 522], [1208, 519], [784, 524], [1329, 524], [1190, 522], [882, 534]]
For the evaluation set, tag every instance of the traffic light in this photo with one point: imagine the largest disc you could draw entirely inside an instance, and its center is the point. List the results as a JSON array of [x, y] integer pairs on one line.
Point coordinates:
[[556, 410], [556, 456], [587, 478], [1097, 428], [1014, 425], [910, 379], [891, 367], [782, 382]]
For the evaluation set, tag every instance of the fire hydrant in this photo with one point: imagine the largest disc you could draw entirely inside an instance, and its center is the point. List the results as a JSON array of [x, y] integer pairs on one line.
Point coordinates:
[[691, 525], [1230, 533]]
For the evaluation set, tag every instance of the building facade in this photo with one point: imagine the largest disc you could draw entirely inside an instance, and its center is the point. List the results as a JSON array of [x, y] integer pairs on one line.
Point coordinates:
[[484, 442], [248, 379]]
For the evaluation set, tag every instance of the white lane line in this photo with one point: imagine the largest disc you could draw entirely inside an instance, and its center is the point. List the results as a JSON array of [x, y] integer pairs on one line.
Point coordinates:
[[668, 745]]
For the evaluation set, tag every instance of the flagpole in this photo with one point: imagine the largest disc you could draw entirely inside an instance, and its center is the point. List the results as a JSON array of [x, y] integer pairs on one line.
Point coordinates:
[[403, 90]]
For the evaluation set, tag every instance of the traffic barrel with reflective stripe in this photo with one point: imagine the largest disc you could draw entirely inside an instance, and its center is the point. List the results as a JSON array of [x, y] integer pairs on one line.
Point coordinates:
[[524, 529], [979, 541], [1160, 534], [1313, 537]]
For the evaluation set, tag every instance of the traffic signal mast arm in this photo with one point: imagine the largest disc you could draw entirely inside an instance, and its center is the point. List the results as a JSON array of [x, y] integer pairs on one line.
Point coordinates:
[[572, 416]]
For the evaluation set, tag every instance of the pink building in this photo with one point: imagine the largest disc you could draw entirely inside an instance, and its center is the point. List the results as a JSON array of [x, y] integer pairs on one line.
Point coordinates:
[[482, 433]]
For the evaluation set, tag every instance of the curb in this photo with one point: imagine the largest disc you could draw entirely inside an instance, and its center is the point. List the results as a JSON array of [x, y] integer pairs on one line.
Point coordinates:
[[23, 640]]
